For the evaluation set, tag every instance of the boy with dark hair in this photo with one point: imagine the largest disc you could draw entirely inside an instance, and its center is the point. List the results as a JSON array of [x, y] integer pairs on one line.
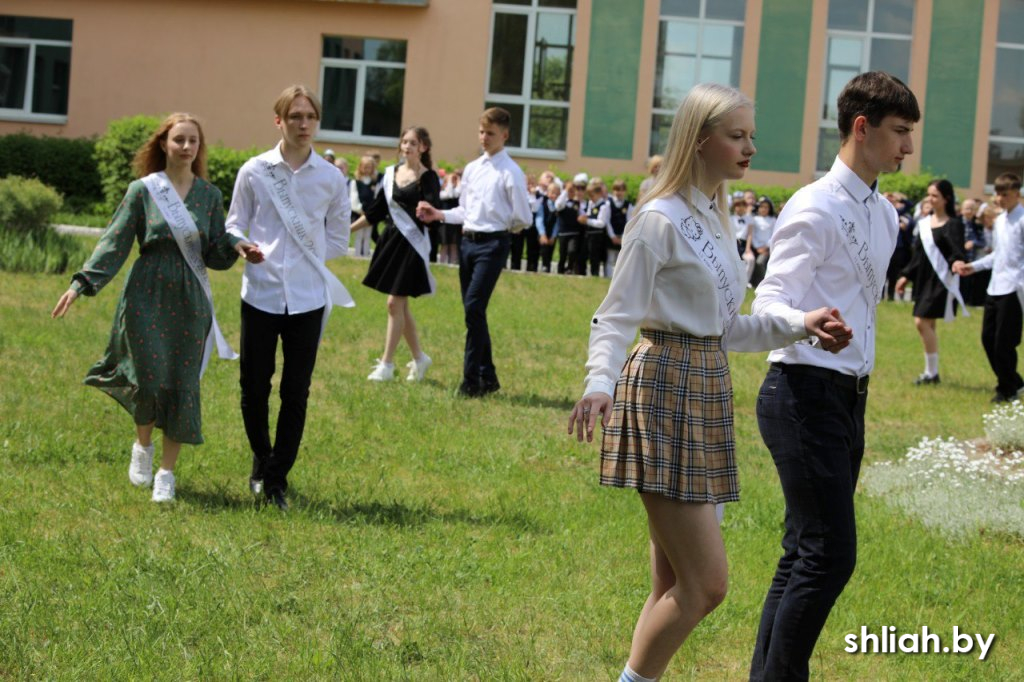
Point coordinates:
[[830, 247], [1004, 299], [494, 202]]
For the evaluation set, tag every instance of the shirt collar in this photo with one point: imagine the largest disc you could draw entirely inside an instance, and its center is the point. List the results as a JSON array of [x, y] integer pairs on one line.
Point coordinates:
[[701, 202], [852, 182], [275, 157], [497, 156], [1015, 212]]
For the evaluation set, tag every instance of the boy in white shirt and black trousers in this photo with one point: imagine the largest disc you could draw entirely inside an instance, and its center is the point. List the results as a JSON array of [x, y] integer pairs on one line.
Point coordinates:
[[494, 203], [1001, 325], [295, 205], [831, 246]]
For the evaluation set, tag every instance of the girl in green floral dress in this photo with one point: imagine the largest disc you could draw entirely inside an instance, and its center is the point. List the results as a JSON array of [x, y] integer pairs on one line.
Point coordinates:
[[154, 358]]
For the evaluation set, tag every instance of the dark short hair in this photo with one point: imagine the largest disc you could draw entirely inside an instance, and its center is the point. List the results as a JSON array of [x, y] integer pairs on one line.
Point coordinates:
[[875, 95], [496, 116], [1007, 182]]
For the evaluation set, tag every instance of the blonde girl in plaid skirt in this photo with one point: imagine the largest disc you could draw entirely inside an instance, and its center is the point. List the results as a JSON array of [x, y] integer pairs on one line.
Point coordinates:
[[668, 432]]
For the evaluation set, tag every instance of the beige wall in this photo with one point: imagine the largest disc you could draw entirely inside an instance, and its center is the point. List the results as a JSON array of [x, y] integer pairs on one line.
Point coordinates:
[[226, 61]]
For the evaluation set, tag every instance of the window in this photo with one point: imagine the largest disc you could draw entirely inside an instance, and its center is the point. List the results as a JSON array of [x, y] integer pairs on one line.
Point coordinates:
[[362, 81], [863, 35], [1006, 131], [35, 69], [699, 41], [530, 71]]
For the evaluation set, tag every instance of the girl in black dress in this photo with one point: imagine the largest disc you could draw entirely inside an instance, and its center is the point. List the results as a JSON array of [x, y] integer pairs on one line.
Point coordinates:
[[932, 298], [400, 264]]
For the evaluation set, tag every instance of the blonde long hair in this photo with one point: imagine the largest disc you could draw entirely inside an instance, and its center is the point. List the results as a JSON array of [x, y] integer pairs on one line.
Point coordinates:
[[702, 109]]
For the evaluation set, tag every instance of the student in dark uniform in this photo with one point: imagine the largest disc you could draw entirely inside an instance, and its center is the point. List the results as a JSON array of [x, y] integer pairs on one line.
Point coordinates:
[[547, 224], [570, 242], [595, 218], [938, 251], [620, 211]]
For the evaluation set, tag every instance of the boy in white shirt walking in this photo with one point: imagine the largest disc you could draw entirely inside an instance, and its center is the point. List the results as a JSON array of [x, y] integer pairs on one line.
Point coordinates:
[[831, 246], [494, 202], [295, 205]]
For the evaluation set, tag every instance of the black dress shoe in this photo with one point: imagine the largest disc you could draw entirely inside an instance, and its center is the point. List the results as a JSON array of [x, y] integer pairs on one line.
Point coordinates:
[[926, 379], [489, 387], [468, 390], [256, 486], [277, 498]]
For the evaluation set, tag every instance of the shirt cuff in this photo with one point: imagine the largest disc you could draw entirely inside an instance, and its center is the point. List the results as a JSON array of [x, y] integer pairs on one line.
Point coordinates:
[[600, 385]]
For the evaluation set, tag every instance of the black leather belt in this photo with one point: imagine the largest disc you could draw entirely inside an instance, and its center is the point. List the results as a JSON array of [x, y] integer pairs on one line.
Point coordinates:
[[482, 236], [845, 381]]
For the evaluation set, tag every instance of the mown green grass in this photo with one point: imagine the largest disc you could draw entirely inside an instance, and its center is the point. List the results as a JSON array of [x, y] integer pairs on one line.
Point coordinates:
[[431, 537]]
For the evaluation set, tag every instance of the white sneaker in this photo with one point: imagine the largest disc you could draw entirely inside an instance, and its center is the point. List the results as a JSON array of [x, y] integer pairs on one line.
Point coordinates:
[[140, 472], [163, 486], [383, 371], [418, 368]]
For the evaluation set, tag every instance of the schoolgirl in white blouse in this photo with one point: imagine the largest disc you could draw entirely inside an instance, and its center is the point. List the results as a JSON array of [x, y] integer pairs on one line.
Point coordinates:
[[668, 430]]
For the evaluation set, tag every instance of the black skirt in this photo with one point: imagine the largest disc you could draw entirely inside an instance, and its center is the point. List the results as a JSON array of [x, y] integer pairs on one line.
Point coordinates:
[[396, 268]]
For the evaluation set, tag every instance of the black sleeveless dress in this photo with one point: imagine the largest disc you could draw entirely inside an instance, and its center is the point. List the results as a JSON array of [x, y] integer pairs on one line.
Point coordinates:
[[395, 267]]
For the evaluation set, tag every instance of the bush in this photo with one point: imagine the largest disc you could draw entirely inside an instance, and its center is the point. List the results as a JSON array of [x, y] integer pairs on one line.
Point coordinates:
[[27, 206], [115, 151], [27, 243], [223, 164], [65, 164], [913, 186]]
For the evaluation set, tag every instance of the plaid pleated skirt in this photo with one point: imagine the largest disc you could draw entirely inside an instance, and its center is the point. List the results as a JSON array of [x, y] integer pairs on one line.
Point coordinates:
[[671, 429]]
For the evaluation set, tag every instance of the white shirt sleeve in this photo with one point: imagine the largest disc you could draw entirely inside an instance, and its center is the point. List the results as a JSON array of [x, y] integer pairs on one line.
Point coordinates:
[[617, 319], [353, 197], [603, 217], [519, 197], [797, 249], [339, 222]]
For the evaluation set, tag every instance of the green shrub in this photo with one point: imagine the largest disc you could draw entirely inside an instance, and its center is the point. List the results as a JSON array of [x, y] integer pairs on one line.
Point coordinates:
[[27, 205], [27, 243], [115, 151], [66, 164], [222, 164], [47, 252], [913, 186]]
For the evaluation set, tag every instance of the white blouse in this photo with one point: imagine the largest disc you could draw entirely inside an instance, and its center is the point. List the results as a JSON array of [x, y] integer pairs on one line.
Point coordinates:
[[660, 284]]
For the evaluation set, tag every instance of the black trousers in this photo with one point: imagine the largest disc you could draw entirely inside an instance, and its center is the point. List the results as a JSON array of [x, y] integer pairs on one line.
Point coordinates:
[[547, 251], [1000, 335], [570, 256], [300, 339], [814, 428], [480, 264], [597, 251], [529, 239]]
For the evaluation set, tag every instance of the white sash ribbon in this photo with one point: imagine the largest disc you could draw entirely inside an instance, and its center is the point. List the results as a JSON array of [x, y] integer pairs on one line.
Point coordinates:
[[186, 234], [721, 266], [418, 239], [941, 267], [297, 223]]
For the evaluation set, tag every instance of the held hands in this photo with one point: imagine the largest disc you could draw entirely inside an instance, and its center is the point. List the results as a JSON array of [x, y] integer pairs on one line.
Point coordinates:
[[829, 327], [64, 304], [427, 213], [961, 268], [584, 414], [249, 251]]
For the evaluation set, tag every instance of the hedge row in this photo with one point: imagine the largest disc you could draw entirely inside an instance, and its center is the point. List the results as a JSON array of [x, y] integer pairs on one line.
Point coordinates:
[[97, 171]]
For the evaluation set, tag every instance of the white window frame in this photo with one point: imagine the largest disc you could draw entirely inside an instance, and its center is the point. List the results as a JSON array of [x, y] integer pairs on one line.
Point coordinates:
[[25, 113], [360, 66], [865, 38], [523, 98], [989, 187], [701, 20]]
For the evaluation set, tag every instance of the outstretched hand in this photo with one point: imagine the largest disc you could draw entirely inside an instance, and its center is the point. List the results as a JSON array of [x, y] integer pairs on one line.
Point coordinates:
[[64, 304], [829, 327], [584, 414]]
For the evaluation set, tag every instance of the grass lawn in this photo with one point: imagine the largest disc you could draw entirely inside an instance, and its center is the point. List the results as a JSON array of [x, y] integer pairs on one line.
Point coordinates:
[[433, 537]]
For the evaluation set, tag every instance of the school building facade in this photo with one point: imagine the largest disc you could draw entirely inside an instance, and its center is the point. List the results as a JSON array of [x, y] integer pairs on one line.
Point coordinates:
[[591, 84]]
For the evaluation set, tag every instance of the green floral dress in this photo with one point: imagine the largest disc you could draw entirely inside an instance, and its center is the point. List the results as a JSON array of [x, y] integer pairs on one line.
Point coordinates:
[[153, 360]]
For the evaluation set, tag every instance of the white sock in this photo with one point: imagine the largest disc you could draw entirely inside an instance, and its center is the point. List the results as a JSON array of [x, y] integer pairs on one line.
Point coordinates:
[[931, 364], [163, 472], [630, 675]]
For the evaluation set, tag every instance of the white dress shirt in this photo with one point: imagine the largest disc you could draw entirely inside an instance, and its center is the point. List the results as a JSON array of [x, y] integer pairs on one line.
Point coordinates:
[[761, 229], [659, 283], [285, 280], [741, 226], [1007, 258], [494, 197], [603, 220], [810, 268]]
